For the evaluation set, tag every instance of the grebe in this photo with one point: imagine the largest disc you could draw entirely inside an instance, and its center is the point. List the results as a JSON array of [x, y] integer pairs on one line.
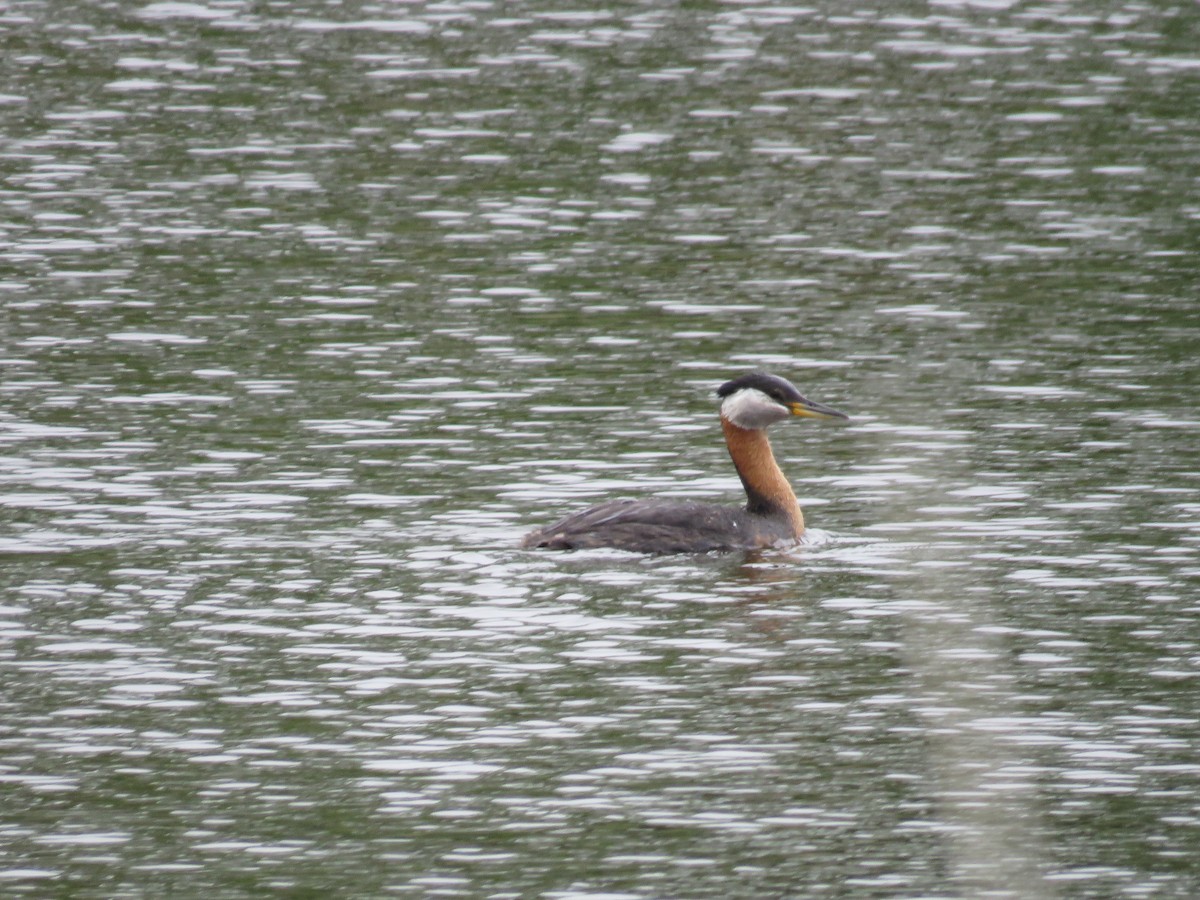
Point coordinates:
[[771, 517]]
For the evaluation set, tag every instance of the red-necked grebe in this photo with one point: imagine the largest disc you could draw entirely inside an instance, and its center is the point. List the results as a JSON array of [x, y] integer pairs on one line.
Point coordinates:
[[771, 517]]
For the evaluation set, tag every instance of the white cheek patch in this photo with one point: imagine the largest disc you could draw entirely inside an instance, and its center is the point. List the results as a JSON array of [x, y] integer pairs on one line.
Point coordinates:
[[750, 408]]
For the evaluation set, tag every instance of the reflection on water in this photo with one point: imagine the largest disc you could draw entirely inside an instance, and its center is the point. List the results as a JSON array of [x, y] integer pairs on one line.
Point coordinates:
[[309, 313]]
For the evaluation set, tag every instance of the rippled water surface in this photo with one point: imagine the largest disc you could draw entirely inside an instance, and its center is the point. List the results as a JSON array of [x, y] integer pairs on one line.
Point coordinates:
[[309, 311]]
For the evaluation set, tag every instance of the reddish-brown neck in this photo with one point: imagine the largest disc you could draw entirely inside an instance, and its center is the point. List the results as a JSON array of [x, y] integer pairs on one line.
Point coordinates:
[[766, 487]]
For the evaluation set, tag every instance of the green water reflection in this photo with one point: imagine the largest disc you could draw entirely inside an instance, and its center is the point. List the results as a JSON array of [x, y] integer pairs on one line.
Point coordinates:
[[309, 313]]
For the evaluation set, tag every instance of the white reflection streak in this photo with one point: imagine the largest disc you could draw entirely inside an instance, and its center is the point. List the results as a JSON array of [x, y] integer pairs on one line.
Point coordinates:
[[986, 816]]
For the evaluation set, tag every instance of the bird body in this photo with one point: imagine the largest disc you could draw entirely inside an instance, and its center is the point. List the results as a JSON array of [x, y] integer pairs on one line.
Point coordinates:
[[664, 526], [771, 517]]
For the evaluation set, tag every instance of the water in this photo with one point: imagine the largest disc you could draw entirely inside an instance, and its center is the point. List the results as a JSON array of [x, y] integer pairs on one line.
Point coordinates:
[[309, 313]]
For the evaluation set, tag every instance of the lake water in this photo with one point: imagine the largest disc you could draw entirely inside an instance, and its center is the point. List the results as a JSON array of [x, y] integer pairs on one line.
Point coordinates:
[[310, 311]]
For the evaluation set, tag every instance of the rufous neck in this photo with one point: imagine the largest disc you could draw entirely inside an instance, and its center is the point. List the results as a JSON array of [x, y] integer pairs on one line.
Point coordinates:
[[767, 490]]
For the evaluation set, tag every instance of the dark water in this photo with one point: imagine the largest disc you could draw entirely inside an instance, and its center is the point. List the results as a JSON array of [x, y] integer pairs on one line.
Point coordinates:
[[309, 312]]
